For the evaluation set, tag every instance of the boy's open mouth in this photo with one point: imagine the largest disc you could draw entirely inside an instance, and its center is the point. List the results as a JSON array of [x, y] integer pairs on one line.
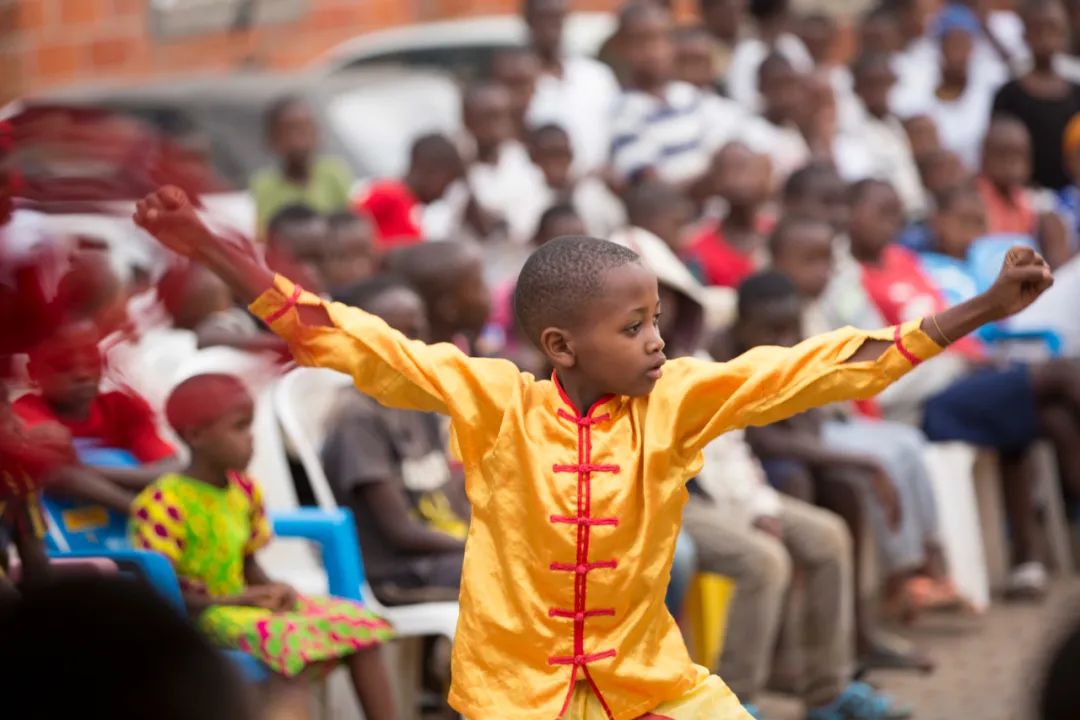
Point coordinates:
[[656, 371]]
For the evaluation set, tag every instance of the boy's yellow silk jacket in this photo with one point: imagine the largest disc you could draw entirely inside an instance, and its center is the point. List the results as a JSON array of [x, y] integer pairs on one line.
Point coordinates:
[[575, 516]]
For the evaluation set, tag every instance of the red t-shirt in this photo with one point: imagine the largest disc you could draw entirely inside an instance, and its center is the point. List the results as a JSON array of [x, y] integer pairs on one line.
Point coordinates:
[[715, 262], [116, 420], [395, 211], [902, 291]]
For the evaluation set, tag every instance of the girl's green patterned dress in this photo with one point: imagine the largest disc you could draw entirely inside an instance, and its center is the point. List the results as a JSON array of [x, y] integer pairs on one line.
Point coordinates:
[[207, 532]]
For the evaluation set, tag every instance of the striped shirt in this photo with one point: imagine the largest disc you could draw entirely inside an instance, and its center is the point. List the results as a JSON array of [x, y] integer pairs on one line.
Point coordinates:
[[675, 135]]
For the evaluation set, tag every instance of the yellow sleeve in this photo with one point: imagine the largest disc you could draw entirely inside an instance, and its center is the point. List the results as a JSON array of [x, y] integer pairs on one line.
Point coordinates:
[[767, 384], [394, 370]]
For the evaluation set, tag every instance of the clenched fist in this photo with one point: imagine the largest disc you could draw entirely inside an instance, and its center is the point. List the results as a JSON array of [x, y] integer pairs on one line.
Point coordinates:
[[1023, 278], [168, 215]]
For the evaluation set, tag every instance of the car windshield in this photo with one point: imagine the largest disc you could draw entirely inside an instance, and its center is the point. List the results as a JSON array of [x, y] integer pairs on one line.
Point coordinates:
[[376, 124]]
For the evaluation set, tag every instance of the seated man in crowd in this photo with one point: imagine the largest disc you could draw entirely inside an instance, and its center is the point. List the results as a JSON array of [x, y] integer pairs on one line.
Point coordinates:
[[390, 466], [67, 371]]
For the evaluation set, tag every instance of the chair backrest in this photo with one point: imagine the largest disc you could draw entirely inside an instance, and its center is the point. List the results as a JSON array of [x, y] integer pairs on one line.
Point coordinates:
[[304, 400]]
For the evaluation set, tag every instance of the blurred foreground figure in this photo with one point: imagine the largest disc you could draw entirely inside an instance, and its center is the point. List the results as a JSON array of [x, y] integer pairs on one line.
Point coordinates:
[[115, 646]]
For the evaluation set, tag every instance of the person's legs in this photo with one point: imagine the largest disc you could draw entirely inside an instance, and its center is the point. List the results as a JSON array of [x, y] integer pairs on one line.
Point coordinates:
[[759, 565], [683, 566], [372, 684], [1018, 487], [819, 543]]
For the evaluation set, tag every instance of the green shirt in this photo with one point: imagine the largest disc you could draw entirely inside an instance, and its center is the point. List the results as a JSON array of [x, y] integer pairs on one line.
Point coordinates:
[[326, 191]]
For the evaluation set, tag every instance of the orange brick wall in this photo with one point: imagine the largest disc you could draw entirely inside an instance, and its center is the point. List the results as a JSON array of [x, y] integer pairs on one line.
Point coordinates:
[[50, 43]]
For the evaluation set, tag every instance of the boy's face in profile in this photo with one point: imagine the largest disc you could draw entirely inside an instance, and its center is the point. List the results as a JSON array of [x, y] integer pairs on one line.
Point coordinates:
[[294, 136], [616, 343], [806, 258], [774, 322], [67, 368]]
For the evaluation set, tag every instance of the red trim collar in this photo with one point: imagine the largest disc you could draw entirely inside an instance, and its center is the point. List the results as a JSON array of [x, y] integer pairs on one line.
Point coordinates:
[[570, 403]]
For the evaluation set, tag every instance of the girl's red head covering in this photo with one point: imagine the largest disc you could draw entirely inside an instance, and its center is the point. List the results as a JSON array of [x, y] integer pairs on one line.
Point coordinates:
[[202, 399]]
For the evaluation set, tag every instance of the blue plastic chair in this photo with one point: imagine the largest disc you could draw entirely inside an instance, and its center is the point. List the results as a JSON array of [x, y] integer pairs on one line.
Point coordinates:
[[83, 530]]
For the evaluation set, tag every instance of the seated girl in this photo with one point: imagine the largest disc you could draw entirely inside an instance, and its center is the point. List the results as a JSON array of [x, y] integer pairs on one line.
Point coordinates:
[[209, 520]]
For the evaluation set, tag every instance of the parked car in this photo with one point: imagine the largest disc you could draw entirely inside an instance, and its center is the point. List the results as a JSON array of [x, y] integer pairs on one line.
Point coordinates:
[[463, 47], [368, 117]]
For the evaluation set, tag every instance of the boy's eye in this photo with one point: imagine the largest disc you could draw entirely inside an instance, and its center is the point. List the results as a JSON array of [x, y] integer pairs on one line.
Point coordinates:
[[656, 319], [632, 329]]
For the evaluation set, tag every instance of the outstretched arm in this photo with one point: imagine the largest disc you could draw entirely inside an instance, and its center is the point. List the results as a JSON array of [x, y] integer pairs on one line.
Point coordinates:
[[382, 362], [768, 384]]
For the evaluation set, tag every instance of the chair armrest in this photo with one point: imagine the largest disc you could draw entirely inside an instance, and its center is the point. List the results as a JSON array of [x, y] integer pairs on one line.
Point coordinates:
[[154, 568], [1049, 338], [335, 532]]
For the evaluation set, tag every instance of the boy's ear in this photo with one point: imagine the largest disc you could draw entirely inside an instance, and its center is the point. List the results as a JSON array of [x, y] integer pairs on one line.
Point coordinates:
[[556, 345]]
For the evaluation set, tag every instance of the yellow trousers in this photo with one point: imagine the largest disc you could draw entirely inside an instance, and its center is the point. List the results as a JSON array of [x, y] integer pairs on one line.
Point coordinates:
[[709, 699]]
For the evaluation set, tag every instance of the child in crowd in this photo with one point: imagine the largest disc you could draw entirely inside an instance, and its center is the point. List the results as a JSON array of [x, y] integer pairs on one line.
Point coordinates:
[[881, 132], [67, 372], [197, 300], [402, 209], [1042, 99], [209, 521], [784, 102], [958, 105], [772, 34], [695, 57], [351, 257], [727, 249], [517, 69], [912, 557], [497, 168], [552, 155], [1007, 408], [324, 183], [664, 129], [297, 243], [659, 211], [390, 466], [449, 276], [816, 191], [1003, 184], [576, 572], [798, 461], [724, 21], [573, 91]]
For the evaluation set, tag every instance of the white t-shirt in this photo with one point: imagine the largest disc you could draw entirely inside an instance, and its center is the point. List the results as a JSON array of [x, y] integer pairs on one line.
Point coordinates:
[[886, 152], [598, 207], [502, 187], [961, 123], [677, 134], [580, 101], [742, 80]]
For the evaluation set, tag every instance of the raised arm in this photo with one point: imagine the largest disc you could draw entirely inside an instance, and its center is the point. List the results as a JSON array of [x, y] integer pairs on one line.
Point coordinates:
[[768, 384], [383, 363]]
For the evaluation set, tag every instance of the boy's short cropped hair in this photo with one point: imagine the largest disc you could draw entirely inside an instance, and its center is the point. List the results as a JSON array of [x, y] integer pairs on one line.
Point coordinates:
[[801, 182], [561, 277], [784, 229], [291, 214]]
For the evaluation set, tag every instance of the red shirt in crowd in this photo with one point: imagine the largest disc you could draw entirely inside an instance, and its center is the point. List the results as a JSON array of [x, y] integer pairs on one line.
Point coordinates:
[[716, 262], [394, 209], [1010, 214], [902, 291], [116, 420]]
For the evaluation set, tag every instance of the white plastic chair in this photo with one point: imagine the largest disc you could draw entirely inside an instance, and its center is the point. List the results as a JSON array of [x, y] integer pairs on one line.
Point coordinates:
[[304, 400]]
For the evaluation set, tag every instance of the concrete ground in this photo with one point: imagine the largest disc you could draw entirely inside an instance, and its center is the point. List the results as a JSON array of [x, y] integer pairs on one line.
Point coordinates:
[[987, 667]]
